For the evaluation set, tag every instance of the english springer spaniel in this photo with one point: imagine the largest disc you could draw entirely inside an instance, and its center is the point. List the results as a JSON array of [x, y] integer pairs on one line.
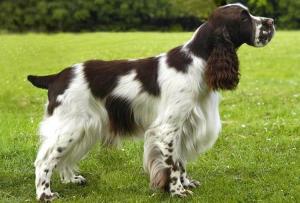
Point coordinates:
[[171, 100]]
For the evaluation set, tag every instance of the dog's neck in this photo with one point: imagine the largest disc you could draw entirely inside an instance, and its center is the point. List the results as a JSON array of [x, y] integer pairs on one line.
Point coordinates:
[[201, 43]]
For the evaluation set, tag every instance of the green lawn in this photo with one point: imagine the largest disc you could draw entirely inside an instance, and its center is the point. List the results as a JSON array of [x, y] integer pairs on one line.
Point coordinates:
[[255, 159]]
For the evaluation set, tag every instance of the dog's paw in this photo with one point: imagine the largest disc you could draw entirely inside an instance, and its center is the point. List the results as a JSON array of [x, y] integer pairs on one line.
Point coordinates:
[[180, 192], [79, 180], [47, 197], [177, 190], [191, 184]]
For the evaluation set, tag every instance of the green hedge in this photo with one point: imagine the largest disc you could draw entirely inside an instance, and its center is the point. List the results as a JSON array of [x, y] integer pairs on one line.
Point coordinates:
[[90, 15], [285, 12], [121, 15]]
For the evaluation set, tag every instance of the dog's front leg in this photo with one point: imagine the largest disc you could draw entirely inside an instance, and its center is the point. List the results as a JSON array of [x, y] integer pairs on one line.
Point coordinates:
[[162, 140], [161, 149], [161, 159]]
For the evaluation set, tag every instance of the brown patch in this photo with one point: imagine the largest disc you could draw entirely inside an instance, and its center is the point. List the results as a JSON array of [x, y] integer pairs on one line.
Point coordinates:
[[147, 72], [181, 167], [45, 197], [60, 149], [222, 69], [174, 179], [175, 167], [238, 22], [178, 59], [201, 44], [42, 81], [58, 87], [47, 185], [102, 76], [169, 161], [121, 117]]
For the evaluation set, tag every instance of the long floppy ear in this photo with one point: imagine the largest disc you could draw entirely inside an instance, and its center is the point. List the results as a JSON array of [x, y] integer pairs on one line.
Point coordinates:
[[222, 69]]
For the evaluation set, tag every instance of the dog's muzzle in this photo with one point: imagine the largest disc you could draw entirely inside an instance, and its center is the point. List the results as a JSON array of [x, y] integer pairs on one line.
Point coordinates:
[[264, 31]]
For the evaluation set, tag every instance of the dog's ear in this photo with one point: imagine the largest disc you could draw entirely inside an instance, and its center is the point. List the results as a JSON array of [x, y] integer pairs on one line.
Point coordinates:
[[222, 69]]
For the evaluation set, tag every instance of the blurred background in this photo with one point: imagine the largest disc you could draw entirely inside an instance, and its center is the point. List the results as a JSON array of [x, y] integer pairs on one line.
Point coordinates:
[[130, 15]]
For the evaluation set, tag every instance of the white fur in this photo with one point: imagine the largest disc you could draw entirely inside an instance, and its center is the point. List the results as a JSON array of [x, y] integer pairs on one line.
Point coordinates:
[[258, 25], [236, 4], [128, 87]]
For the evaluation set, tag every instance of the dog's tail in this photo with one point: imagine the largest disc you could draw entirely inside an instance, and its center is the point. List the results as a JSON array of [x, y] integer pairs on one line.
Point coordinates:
[[42, 81]]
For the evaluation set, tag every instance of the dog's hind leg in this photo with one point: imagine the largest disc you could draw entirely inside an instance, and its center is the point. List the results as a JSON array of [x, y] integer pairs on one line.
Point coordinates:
[[55, 147], [67, 166], [68, 175]]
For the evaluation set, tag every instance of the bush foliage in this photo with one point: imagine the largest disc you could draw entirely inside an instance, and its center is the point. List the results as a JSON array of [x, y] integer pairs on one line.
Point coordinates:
[[120, 15]]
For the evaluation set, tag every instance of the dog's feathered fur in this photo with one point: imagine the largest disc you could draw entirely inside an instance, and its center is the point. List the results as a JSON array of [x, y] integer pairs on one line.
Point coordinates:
[[171, 99]]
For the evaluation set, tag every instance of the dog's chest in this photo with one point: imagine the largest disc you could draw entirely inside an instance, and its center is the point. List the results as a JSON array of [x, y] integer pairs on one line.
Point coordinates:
[[202, 127]]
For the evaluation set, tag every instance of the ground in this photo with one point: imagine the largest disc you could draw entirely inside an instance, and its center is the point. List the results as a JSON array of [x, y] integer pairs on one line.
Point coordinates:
[[255, 159]]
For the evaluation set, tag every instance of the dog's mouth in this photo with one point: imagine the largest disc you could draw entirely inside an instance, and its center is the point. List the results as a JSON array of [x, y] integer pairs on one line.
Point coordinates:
[[264, 32], [266, 35]]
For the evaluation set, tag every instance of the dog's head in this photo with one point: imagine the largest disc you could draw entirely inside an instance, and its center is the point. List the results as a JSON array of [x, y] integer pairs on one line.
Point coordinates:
[[233, 25]]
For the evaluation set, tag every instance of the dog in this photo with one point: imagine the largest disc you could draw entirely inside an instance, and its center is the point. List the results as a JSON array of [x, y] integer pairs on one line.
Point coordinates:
[[171, 100]]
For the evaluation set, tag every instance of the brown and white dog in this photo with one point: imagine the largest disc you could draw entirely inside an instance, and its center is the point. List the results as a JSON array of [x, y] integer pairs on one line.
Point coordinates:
[[171, 100]]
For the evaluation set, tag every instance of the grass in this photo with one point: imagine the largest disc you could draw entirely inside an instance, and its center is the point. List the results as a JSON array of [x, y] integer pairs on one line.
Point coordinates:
[[256, 158]]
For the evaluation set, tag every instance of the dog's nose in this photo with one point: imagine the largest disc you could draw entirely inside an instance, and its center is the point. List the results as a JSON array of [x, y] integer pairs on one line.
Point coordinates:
[[270, 21]]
